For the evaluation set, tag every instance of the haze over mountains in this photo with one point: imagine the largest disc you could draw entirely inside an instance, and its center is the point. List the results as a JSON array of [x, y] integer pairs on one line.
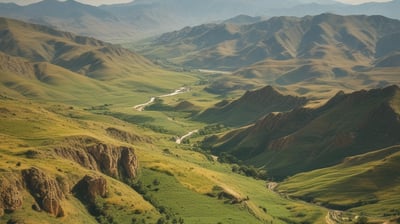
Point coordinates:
[[143, 18], [230, 46], [297, 54]]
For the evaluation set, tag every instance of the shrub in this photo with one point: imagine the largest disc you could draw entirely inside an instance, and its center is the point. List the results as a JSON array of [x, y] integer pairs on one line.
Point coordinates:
[[361, 220]]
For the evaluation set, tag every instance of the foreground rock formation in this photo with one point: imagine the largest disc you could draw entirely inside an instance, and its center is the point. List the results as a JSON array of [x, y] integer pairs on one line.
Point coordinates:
[[116, 161], [45, 190]]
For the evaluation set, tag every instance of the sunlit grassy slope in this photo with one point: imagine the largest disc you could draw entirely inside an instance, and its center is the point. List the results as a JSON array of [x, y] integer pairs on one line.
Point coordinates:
[[367, 183], [306, 139], [84, 56], [185, 177]]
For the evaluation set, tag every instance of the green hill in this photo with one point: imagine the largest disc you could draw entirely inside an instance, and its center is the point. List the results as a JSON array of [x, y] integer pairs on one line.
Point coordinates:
[[67, 66], [79, 54], [306, 139], [367, 182], [250, 107]]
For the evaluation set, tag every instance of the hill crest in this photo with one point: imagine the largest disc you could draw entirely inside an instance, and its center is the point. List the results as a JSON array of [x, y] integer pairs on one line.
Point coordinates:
[[79, 54], [348, 124], [251, 106]]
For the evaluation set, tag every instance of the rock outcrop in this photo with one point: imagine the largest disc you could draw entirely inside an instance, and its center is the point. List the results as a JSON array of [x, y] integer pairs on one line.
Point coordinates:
[[116, 161], [45, 190], [10, 193], [90, 187], [120, 162]]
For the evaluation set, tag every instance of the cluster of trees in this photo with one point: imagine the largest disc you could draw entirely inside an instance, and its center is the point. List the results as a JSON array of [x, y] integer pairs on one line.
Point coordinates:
[[240, 168], [250, 171], [212, 129]]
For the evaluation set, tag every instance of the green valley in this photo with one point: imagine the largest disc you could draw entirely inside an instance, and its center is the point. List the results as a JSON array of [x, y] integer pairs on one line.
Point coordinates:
[[249, 120]]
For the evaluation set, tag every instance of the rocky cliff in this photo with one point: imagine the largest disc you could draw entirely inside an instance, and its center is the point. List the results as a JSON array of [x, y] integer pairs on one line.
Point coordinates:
[[10, 193], [116, 161], [90, 187], [45, 190]]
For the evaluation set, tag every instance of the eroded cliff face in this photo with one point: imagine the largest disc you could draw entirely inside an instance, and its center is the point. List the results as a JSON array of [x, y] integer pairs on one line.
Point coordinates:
[[90, 187], [116, 161], [50, 193], [45, 190], [10, 193]]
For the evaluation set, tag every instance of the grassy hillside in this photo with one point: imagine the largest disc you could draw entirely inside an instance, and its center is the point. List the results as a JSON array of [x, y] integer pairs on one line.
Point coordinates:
[[30, 133], [174, 183], [367, 182], [250, 107], [56, 65], [349, 124]]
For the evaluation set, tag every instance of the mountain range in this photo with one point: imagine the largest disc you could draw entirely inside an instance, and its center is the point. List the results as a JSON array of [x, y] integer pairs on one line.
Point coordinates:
[[314, 54], [143, 18], [230, 46]]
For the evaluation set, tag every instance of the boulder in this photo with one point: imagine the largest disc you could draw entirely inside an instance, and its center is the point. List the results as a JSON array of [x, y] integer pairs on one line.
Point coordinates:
[[45, 190], [90, 187], [10, 193]]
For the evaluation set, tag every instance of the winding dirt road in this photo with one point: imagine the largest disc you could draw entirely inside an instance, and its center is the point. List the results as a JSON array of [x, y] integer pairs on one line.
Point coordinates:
[[140, 107], [179, 140]]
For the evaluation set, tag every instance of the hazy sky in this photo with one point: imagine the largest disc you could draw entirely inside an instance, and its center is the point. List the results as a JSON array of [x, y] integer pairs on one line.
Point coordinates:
[[100, 2]]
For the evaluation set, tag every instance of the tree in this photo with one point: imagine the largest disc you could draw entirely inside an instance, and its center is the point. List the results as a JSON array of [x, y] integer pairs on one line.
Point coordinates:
[[161, 220], [361, 220]]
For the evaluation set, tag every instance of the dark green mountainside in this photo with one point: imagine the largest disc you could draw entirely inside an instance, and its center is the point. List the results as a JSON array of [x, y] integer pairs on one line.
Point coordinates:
[[306, 139], [358, 182], [250, 107]]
